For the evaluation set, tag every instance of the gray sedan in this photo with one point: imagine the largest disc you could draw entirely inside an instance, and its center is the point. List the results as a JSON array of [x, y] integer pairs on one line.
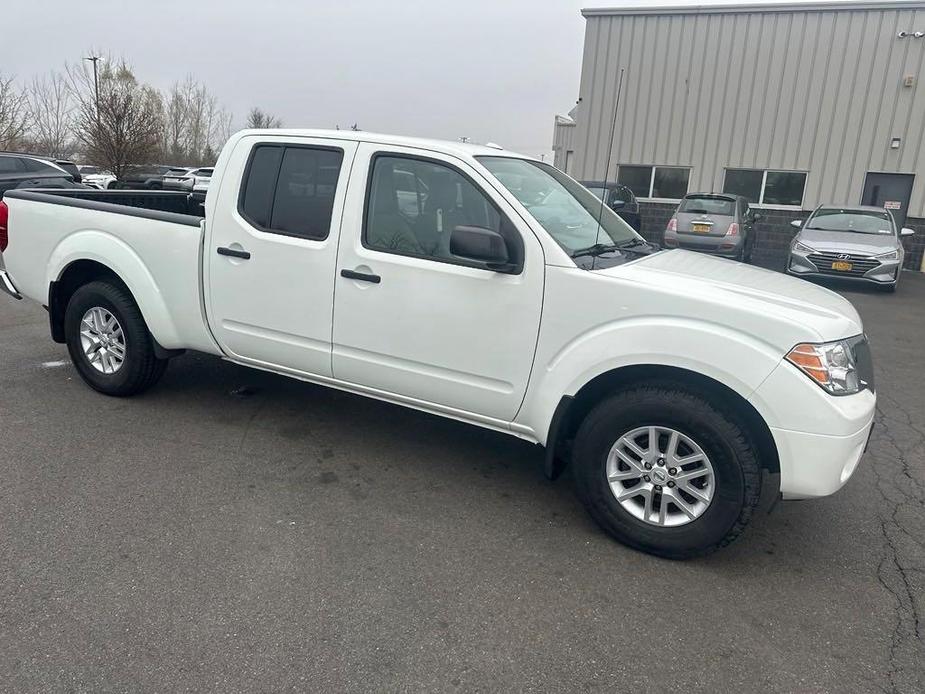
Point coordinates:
[[859, 243]]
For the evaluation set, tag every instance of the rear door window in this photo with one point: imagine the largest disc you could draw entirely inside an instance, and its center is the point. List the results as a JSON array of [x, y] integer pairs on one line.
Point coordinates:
[[290, 190]]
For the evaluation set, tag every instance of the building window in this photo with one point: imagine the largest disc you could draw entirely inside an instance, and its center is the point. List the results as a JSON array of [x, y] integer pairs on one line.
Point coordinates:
[[764, 187], [666, 182]]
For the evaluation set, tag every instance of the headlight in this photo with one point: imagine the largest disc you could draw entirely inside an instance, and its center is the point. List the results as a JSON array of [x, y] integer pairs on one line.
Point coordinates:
[[831, 365], [892, 255], [802, 248]]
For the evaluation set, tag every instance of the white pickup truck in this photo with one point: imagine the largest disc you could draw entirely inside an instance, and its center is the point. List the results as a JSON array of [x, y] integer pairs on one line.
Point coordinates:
[[686, 391]]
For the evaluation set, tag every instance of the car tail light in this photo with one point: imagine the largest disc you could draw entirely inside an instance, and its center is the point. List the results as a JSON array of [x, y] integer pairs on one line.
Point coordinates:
[[672, 224], [733, 229], [4, 219]]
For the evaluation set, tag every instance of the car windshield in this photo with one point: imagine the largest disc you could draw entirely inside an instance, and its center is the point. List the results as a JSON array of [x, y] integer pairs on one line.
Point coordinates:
[[567, 210], [857, 221], [703, 204], [89, 170]]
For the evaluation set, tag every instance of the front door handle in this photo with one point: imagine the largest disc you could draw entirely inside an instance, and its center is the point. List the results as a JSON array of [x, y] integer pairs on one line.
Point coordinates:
[[361, 276], [234, 253]]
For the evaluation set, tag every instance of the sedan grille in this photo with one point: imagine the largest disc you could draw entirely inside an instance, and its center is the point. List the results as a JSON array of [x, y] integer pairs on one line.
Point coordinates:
[[860, 264]]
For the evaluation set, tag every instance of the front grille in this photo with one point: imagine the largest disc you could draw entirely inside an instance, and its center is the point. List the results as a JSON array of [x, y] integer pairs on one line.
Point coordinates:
[[860, 264], [860, 350]]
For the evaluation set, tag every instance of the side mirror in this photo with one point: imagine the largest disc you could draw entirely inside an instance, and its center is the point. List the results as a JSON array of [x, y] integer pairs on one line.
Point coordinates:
[[617, 205], [756, 217], [906, 231], [481, 245], [796, 223]]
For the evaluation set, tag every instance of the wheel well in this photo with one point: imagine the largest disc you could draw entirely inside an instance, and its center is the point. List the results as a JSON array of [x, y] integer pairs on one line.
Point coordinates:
[[566, 424], [75, 275]]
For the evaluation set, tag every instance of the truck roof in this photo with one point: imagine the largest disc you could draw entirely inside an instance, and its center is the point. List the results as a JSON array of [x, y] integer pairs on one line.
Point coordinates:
[[444, 146]]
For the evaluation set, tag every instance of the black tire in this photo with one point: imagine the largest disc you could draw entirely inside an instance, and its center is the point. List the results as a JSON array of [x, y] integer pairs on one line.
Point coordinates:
[[735, 461], [140, 369], [111, 185]]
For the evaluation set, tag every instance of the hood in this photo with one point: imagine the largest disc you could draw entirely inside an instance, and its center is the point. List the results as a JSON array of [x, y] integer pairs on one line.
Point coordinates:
[[848, 241], [777, 308]]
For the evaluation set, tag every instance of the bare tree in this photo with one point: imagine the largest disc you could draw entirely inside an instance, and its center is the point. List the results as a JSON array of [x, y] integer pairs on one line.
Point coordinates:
[[51, 115], [257, 118], [195, 125], [126, 129], [14, 110]]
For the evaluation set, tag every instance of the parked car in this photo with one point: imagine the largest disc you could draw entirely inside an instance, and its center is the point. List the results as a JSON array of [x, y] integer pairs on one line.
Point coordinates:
[[858, 243], [714, 223], [686, 392], [23, 171], [64, 164], [96, 177], [620, 199], [147, 177], [187, 180]]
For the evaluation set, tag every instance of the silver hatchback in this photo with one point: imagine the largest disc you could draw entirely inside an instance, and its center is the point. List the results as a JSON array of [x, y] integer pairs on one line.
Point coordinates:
[[715, 223], [858, 243]]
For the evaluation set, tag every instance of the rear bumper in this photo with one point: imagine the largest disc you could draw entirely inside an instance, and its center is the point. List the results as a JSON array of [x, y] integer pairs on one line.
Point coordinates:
[[6, 284], [714, 245]]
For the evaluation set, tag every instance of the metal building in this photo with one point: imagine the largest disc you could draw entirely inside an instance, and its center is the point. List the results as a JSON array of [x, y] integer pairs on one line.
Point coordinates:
[[792, 105]]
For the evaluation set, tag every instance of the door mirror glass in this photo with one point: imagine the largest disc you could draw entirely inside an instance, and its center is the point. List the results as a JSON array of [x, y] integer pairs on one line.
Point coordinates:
[[796, 223], [481, 245], [906, 231], [756, 217]]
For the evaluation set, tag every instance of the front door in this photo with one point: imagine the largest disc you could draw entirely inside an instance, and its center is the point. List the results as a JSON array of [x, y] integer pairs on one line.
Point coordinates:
[[889, 190], [271, 250], [415, 320]]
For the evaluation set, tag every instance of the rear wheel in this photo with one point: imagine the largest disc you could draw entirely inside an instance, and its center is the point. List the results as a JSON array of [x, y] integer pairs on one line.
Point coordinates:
[[662, 469], [109, 342]]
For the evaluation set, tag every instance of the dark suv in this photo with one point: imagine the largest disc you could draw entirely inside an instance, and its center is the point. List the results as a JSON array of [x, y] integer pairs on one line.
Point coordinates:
[[27, 171], [619, 198]]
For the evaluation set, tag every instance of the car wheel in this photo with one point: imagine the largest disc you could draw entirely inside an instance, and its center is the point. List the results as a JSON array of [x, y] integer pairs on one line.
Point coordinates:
[[111, 185], [109, 342], [664, 470]]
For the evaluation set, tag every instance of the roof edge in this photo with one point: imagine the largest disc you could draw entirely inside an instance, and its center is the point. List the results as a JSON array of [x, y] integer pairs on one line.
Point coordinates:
[[755, 8]]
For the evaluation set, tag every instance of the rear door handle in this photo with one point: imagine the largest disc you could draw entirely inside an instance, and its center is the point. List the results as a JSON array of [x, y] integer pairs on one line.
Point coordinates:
[[234, 253], [361, 276]]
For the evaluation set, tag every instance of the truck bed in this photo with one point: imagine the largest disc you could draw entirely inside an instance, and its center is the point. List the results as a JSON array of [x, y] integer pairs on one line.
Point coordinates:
[[175, 202], [155, 251]]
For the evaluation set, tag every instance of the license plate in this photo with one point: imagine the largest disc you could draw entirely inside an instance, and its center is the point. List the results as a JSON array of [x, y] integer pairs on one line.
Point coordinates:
[[841, 265], [705, 228]]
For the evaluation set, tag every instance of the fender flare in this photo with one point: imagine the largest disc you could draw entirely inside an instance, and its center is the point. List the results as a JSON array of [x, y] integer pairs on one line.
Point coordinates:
[[117, 256]]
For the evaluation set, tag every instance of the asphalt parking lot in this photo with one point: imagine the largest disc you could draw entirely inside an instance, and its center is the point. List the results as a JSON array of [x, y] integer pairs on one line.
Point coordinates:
[[234, 530]]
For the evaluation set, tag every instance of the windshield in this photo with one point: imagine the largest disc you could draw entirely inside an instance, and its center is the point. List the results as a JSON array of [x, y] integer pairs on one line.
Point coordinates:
[[565, 209], [858, 221], [707, 205]]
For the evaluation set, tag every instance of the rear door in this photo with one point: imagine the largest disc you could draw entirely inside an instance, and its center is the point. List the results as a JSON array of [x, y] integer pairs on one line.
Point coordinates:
[[706, 215], [271, 249]]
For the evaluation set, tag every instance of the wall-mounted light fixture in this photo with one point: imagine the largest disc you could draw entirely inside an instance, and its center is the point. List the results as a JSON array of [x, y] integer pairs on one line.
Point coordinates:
[[894, 143]]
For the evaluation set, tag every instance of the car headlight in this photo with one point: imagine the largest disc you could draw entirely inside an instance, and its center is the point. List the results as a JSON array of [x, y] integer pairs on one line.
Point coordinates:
[[892, 255], [830, 364], [802, 247]]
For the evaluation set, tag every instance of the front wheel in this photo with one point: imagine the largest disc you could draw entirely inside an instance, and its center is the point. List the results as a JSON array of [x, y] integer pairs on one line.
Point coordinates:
[[109, 341], [662, 469]]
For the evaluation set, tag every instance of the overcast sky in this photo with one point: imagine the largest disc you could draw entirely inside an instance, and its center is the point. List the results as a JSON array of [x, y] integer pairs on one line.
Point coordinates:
[[491, 70]]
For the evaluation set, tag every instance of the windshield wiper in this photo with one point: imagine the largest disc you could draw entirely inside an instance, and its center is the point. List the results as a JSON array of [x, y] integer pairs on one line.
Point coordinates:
[[602, 248], [596, 249]]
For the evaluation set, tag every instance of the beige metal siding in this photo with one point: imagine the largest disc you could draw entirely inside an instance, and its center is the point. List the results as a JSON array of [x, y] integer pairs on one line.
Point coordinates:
[[814, 90], [563, 143]]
